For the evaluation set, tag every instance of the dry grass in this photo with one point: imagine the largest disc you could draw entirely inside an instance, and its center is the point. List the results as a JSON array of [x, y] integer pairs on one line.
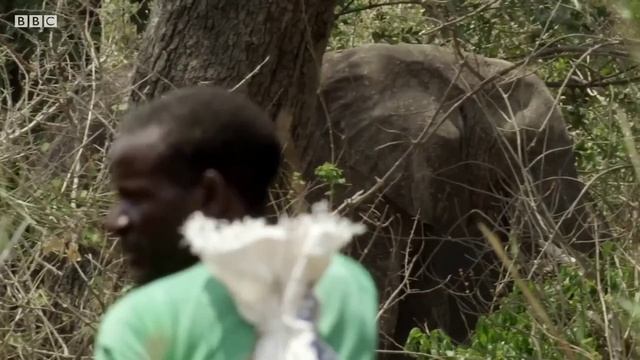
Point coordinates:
[[58, 271]]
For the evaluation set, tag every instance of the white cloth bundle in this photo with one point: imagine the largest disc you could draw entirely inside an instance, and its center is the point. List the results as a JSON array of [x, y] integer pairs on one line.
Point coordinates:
[[270, 271]]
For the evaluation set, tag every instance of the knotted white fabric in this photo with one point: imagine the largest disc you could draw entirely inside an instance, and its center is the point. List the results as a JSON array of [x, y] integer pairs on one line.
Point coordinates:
[[270, 271]]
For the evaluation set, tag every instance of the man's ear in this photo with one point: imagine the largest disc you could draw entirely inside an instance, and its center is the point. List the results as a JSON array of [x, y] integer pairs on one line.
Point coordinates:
[[215, 193]]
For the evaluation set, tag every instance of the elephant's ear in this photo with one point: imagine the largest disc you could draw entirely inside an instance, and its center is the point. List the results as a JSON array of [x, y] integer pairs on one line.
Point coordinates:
[[374, 101]]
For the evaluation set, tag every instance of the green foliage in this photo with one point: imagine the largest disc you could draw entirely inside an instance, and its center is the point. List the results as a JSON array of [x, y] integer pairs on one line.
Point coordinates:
[[330, 174], [392, 25], [119, 33], [632, 8], [513, 333]]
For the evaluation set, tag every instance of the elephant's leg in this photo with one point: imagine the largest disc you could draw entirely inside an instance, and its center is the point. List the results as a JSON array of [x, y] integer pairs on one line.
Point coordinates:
[[454, 313], [464, 270], [381, 254], [429, 302], [426, 308]]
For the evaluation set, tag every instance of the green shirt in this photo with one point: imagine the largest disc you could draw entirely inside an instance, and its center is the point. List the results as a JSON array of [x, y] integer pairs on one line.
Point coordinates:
[[191, 316]]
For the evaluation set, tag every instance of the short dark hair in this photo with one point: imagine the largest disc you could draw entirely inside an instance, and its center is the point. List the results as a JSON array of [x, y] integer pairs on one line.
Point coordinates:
[[207, 127]]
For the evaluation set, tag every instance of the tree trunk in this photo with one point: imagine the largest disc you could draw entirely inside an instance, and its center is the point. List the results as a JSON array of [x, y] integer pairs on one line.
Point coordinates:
[[272, 48], [222, 42]]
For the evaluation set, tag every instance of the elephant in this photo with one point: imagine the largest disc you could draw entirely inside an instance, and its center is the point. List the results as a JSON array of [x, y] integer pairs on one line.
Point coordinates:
[[440, 140]]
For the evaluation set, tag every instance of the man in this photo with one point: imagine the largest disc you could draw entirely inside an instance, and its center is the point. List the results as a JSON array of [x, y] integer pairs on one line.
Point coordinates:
[[204, 149]]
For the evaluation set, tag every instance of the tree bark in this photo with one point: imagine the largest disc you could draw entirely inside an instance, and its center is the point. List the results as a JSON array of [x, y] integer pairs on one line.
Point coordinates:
[[189, 42]]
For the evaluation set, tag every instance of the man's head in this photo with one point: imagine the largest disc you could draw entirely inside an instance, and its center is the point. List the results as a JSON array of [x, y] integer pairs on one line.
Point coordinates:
[[199, 148]]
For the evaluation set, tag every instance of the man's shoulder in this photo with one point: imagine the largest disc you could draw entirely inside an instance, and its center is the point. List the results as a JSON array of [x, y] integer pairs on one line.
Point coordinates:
[[347, 271], [348, 309], [187, 280], [156, 298], [346, 283], [178, 284], [149, 319]]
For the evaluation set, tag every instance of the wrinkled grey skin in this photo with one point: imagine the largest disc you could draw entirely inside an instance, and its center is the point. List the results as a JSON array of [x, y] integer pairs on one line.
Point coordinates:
[[373, 101]]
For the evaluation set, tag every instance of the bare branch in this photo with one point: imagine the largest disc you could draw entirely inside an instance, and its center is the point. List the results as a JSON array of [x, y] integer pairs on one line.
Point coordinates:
[[375, 6], [577, 83]]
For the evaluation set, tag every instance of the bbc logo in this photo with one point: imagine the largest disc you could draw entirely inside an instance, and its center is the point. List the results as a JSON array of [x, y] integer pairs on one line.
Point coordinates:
[[35, 21]]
